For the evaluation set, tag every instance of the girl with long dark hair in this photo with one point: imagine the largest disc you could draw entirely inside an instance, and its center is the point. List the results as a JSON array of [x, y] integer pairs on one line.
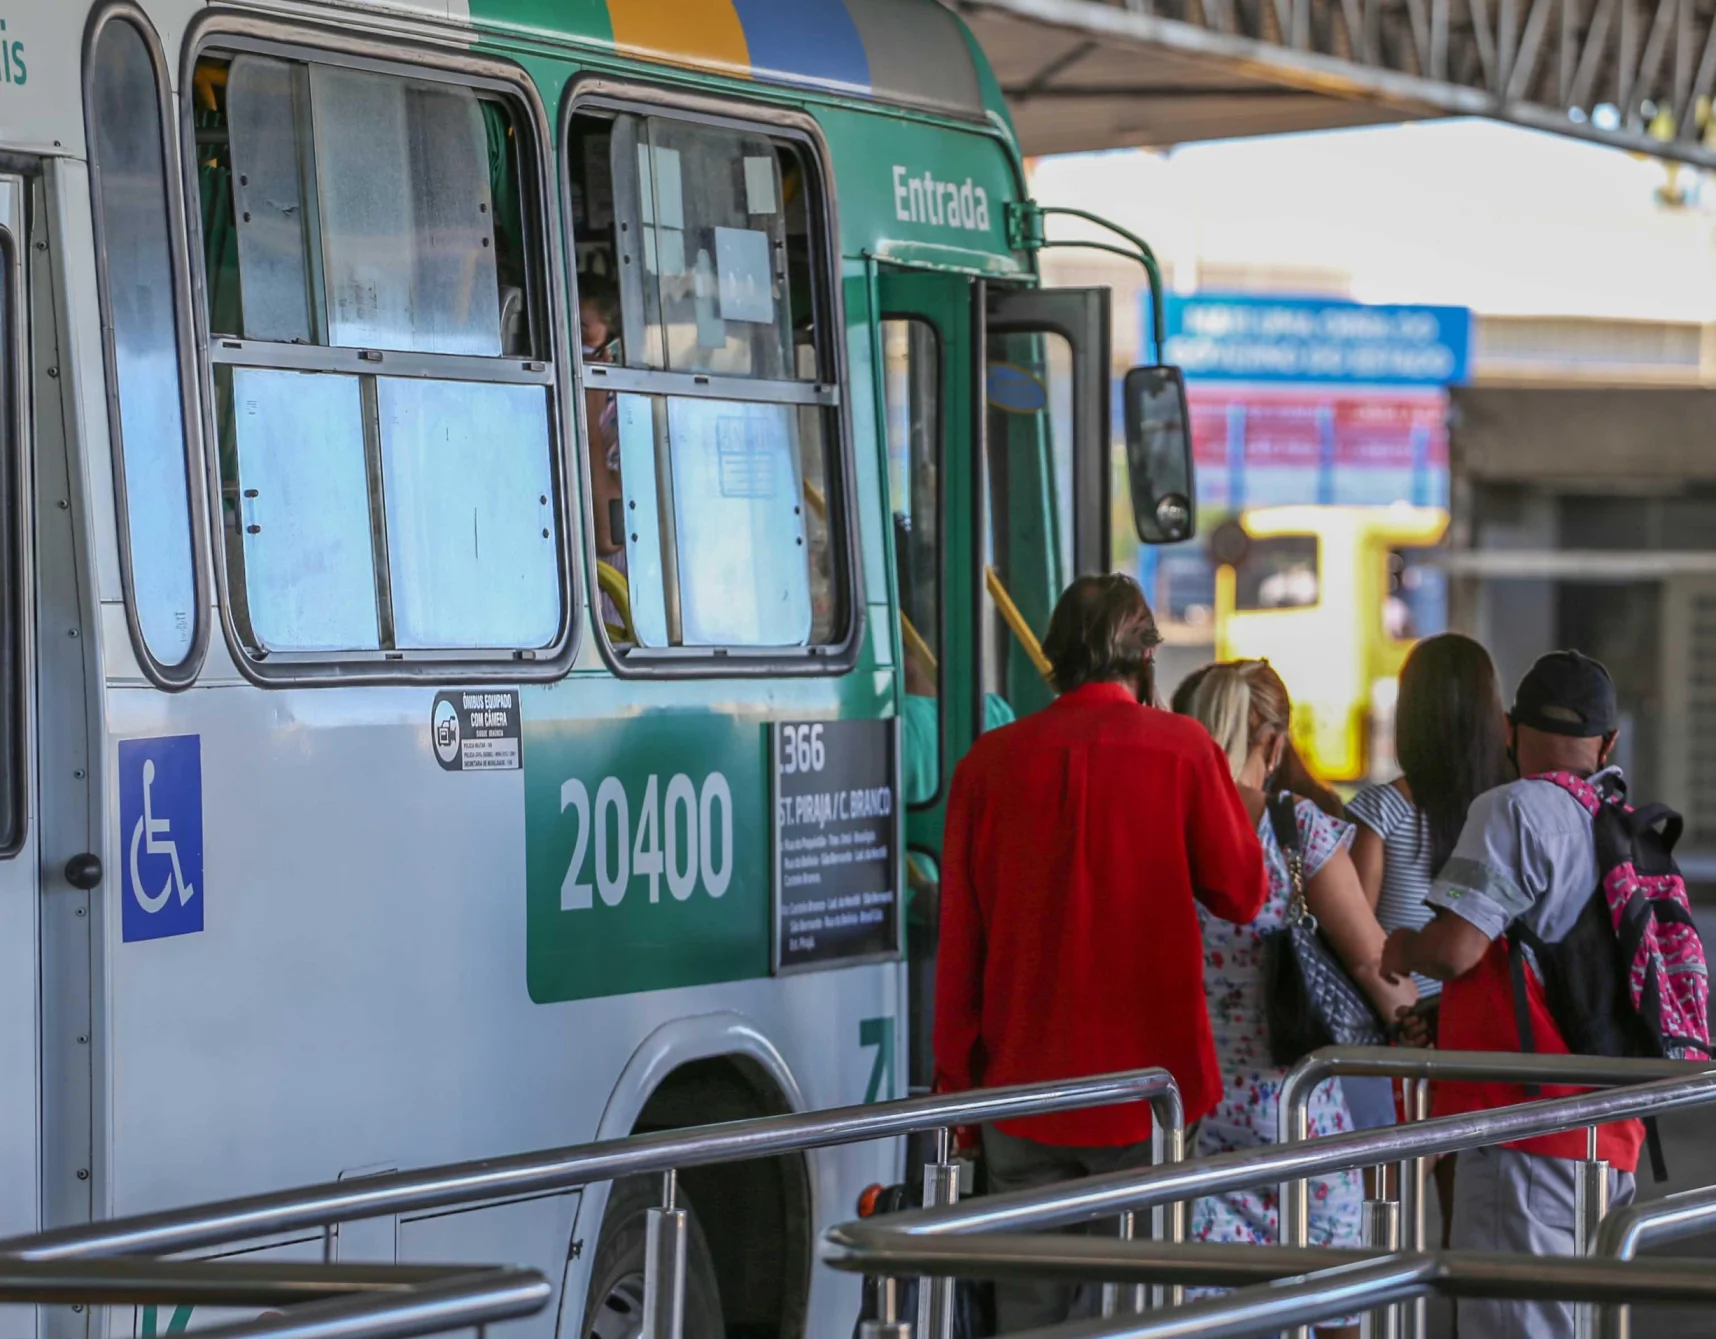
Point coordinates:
[[1450, 736]]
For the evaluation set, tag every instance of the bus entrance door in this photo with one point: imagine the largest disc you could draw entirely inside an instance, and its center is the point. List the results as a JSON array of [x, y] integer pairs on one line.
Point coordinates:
[[25, 290], [995, 416]]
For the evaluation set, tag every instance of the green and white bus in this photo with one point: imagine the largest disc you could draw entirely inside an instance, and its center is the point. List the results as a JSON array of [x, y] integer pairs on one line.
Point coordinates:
[[511, 511]]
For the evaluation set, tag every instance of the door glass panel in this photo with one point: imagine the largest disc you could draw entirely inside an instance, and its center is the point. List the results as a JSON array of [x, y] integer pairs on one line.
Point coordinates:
[[1028, 512], [470, 521], [407, 217], [911, 362], [131, 176], [306, 569]]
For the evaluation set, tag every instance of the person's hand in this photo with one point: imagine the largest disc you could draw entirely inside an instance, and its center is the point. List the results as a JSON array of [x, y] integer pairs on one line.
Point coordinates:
[[1414, 1027], [1394, 967]]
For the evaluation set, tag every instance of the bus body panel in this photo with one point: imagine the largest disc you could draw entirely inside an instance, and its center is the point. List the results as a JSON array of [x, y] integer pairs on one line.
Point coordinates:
[[384, 975]]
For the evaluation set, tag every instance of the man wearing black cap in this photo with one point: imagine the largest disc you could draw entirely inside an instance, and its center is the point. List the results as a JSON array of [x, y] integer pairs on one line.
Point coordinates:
[[1526, 856]]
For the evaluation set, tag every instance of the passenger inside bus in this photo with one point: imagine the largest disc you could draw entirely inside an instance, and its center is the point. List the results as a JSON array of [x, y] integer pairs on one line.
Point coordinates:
[[599, 332]]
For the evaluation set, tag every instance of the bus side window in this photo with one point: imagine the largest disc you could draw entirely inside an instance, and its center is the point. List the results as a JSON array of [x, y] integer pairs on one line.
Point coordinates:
[[710, 461], [384, 396], [146, 383]]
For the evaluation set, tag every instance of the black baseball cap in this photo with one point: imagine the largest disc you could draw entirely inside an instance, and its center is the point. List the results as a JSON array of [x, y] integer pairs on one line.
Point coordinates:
[[1566, 693]]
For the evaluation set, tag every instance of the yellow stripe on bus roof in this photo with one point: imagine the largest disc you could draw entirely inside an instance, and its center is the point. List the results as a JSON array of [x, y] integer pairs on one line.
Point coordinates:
[[686, 32]]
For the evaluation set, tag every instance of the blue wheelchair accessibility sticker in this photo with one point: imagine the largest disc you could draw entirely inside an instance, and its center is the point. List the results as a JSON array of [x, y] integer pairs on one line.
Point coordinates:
[[161, 826]]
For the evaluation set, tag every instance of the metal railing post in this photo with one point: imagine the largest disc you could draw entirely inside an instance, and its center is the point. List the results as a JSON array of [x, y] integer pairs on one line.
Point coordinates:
[[1414, 1190], [1133, 1298], [1167, 1221], [1380, 1229], [887, 1324], [664, 1265], [941, 1186], [1294, 1204], [1590, 1204]]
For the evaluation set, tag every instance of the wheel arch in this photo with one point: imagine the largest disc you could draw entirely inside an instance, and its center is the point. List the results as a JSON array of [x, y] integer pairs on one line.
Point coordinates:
[[695, 1070]]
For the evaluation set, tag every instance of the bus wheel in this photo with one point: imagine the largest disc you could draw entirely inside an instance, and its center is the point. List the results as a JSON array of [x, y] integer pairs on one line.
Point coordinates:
[[617, 1272]]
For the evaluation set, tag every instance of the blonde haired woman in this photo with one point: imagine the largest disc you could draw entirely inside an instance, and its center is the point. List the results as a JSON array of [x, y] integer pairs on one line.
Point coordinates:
[[1244, 705]]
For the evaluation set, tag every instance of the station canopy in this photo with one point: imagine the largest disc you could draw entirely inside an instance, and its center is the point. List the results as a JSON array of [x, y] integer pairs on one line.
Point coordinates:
[[1098, 74]]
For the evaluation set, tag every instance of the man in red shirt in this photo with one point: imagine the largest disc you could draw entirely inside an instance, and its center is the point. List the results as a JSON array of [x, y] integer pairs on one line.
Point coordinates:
[[1077, 843]]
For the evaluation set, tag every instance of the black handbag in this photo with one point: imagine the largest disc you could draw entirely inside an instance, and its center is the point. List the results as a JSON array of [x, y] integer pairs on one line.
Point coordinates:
[[1309, 1001], [973, 1299]]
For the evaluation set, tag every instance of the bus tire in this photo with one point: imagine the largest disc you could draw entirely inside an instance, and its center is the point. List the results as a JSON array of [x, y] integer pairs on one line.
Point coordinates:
[[616, 1296]]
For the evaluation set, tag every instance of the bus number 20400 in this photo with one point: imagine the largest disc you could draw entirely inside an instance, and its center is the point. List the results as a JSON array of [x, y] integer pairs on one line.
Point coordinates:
[[682, 836]]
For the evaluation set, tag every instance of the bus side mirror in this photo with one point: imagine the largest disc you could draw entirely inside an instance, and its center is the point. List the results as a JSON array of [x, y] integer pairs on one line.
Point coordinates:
[[1159, 454]]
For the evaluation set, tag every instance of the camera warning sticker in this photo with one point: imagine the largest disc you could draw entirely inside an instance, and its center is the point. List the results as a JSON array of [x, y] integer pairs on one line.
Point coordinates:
[[477, 730]]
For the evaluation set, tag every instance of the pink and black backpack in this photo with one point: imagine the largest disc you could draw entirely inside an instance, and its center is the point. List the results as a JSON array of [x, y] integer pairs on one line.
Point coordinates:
[[1629, 979]]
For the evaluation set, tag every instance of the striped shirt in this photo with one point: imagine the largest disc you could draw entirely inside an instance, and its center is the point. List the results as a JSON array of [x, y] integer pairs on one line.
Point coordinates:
[[1405, 862]]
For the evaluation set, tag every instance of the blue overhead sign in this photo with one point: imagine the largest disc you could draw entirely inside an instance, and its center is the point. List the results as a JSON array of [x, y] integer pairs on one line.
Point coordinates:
[[1312, 340]]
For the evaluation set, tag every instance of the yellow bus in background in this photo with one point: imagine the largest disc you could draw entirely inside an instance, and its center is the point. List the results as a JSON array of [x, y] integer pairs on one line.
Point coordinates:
[[1333, 598]]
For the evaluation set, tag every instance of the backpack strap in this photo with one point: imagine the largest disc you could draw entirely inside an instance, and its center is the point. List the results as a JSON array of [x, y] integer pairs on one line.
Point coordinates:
[[1521, 998], [1589, 797], [1653, 1146]]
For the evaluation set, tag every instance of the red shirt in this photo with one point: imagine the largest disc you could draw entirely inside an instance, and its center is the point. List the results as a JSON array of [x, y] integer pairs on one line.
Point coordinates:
[[1478, 1015], [1076, 842]]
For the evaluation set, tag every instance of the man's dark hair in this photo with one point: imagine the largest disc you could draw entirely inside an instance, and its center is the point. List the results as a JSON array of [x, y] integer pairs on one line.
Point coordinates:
[[1102, 631]]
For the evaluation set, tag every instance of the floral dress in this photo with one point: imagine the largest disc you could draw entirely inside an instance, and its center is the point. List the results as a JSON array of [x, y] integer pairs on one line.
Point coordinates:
[[1246, 1115]]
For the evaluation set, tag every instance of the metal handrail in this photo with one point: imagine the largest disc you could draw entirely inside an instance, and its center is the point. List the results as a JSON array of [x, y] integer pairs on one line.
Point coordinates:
[[471, 1299], [1332, 1062], [1418, 1068], [147, 1282], [328, 1300], [877, 1246], [1243, 1169], [225, 1221], [1627, 1230], [228, 1221], [1284, 1286]]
